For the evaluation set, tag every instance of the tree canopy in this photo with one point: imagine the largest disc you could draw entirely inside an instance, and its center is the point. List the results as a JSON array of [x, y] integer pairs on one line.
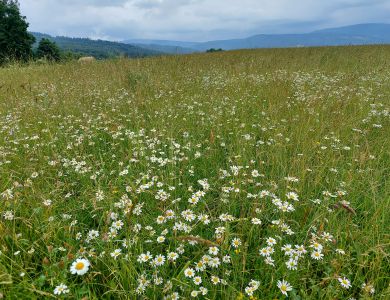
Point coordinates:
[[15, 41], [49, 50]]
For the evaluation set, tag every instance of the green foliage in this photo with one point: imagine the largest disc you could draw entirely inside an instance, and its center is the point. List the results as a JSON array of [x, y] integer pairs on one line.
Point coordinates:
[[97, 48], [211, 50], [15, 41], [48, 50], [69, 55]]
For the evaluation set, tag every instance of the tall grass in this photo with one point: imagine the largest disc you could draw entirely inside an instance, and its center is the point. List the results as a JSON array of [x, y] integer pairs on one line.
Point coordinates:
[[254, 132]]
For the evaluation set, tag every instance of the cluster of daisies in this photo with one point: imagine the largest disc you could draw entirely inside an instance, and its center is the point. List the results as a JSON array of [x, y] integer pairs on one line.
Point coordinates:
[[195, 212]]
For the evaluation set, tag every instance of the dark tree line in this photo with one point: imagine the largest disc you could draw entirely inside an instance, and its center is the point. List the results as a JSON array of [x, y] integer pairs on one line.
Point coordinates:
[[212, 50]]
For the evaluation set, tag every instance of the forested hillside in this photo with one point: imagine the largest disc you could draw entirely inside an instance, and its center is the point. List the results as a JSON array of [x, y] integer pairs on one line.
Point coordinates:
[[97, 48]]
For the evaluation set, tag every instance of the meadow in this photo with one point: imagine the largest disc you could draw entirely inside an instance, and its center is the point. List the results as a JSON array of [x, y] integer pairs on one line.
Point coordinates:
[[253, 174]]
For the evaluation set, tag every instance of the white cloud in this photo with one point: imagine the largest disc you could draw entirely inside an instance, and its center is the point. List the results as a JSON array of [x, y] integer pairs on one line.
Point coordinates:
[[195, 19]]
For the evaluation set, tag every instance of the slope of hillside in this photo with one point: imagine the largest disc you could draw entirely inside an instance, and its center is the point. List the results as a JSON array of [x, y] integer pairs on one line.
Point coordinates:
[[97, 48], [361, 34], [166, 48]]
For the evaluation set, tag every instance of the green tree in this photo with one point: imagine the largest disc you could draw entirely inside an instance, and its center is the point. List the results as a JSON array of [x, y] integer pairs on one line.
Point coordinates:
[[49, 50], [15, 41], [212, 50]]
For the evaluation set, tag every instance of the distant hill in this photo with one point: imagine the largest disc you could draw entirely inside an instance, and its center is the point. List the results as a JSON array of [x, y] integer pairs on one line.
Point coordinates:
[[161, 42], [166, 48], [97, 48], [171, 47], [360, 34]]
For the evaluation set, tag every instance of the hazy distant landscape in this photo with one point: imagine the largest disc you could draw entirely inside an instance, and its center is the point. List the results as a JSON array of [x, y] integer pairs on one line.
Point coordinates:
[[363, 34]]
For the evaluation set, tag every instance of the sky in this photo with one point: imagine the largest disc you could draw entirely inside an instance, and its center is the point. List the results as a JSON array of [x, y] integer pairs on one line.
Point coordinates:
[[196, 20]]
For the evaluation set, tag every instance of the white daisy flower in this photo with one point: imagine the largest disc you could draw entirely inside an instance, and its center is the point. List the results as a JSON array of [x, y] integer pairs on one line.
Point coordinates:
[[189, 272], [80, 266], [345, 283], [284, 287], [61, 289], [197, 280]]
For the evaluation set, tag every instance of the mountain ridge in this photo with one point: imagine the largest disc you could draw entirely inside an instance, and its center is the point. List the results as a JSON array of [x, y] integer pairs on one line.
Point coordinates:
[[357, 34]]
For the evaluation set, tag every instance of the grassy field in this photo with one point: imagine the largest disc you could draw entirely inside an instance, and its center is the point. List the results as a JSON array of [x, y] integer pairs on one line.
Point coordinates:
[[237, 175]]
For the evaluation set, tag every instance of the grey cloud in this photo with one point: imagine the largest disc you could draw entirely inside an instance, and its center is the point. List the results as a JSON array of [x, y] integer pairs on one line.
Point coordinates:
[[196, 19], [94, 2]]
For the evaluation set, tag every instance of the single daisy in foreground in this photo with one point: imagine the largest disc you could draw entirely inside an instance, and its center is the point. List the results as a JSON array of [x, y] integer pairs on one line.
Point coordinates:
[[80, 266], [284, 287]]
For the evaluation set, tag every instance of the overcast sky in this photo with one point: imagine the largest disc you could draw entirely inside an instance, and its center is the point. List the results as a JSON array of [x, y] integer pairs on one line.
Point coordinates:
[[196, 20]]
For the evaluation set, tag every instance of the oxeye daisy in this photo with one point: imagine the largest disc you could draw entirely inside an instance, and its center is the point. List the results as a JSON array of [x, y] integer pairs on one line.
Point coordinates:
[[300, 249], [226, 259], [214, 262], [317, 255], [284, 287], [189, 272], [368, 288], [116, 253], [160, 219], [203, 290], [271, 241], [291, 264], [249, 290], [287, 249], [256, 221], [61, 289], [80, 266], [269, 261], [172, 256], [236, 242], [117, 224], [200, 266], [194, 294], [213, 250], [264, 251], [215, 280], [159, 260], [345, 283], [161, 239], [197, 280], [144, 257], [316, 246]]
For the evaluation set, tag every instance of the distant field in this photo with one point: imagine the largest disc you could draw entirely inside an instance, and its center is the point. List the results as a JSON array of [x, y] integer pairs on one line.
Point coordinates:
[[235, 175]]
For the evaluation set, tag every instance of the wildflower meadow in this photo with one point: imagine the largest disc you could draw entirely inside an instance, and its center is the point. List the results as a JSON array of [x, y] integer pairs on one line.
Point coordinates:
[[253, 174]]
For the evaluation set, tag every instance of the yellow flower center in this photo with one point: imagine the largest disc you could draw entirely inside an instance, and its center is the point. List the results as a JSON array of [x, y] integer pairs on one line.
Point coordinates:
[[283, 288], [79, 266]]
